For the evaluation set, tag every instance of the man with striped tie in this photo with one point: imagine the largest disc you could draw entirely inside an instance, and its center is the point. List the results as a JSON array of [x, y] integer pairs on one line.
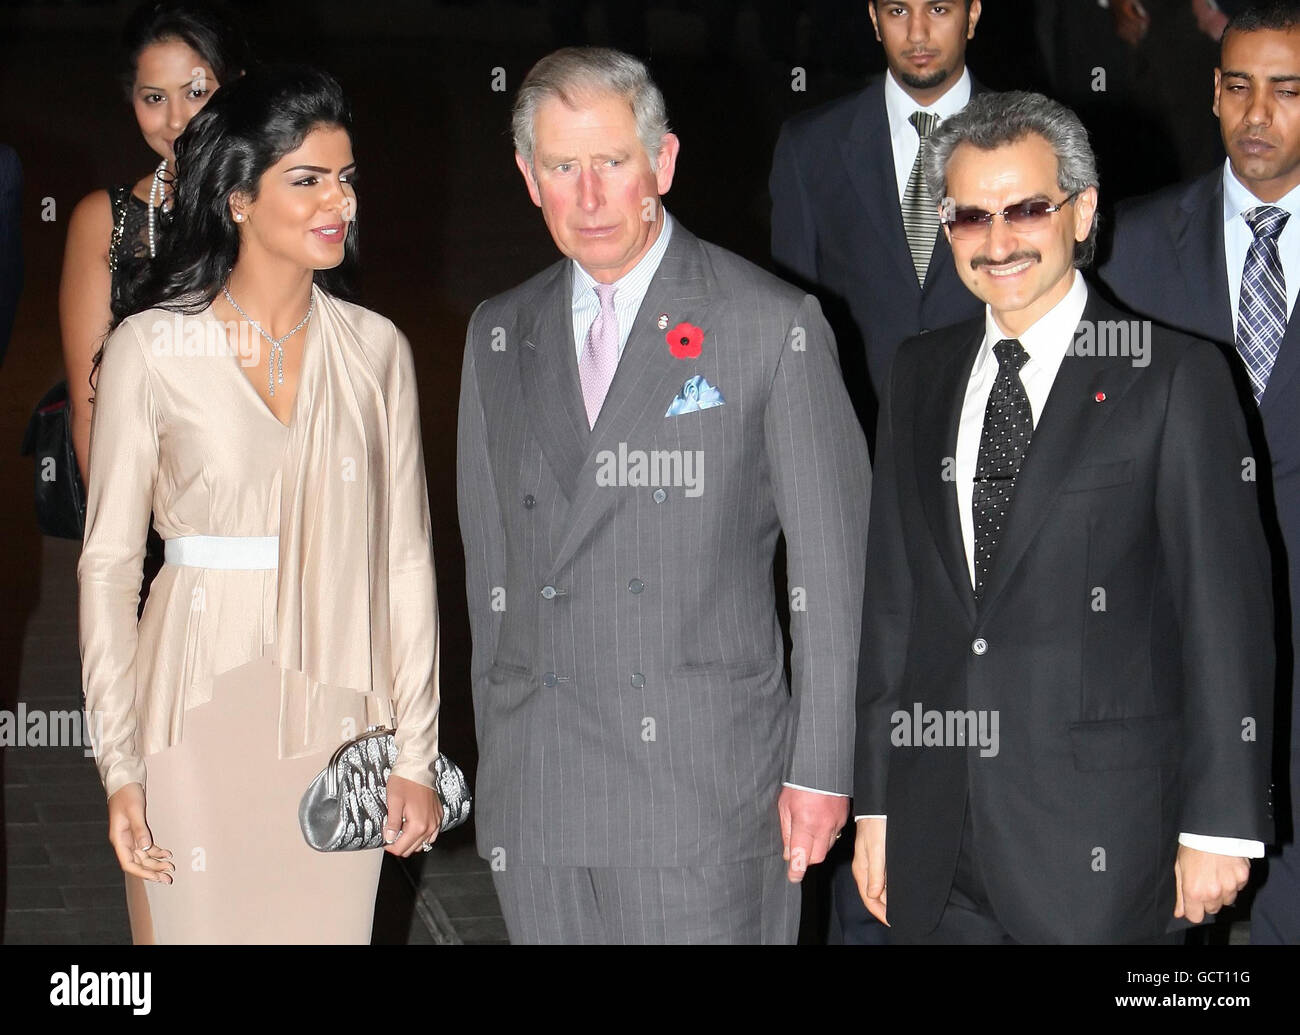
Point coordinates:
[[1219, 257], [852, 218], [853, 222]]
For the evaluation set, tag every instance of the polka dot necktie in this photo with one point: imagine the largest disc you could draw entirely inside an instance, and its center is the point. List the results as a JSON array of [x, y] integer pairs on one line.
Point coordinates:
[[1008, 424]]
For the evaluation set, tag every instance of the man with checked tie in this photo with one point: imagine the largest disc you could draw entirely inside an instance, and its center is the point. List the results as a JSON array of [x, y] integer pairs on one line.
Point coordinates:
[[1065, 685], [638, 423], [1219, 257]]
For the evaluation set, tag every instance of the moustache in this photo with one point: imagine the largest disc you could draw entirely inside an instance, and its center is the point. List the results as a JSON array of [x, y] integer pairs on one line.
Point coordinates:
[[1018, 256]]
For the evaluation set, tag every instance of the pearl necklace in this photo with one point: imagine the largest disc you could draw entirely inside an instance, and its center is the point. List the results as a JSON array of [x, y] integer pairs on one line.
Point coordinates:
[[159, 191], [276, 359]]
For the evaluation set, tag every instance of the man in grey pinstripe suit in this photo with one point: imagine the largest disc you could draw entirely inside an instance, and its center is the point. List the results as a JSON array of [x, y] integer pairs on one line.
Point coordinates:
[[638, 424]]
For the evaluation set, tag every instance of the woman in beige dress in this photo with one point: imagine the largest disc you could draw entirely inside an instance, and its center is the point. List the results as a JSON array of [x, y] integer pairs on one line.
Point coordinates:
[[273, 430]]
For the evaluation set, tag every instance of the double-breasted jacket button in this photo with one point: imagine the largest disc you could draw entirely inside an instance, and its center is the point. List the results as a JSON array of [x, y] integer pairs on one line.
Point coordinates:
[[638, 680], [980, 646], [530, 501], [548, 679], [660, 495], [635, 585]]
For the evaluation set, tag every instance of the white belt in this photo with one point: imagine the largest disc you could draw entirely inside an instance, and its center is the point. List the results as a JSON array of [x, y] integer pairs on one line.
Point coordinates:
[[242, 552]]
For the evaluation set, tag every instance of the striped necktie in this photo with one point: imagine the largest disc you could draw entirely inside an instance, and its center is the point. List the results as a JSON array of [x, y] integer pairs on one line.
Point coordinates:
[[1261, 311], [920, 214]]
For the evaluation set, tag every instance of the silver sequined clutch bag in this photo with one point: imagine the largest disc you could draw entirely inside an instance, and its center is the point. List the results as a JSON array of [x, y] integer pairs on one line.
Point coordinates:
[[344, 808]]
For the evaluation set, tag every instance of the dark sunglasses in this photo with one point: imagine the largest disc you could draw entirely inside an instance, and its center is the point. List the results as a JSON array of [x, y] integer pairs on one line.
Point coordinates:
[[1023, 216]]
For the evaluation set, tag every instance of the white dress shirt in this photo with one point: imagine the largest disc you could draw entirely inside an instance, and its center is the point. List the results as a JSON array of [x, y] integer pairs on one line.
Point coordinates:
[[1046, 342], [904, 139], [1237, 237], [632, 287]]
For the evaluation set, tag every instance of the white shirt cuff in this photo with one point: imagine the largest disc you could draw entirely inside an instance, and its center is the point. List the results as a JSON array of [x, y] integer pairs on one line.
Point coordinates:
[[856, 818], [797, 787], [1223, 845]]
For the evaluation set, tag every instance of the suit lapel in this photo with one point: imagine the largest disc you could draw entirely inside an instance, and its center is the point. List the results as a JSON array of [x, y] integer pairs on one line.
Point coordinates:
[[548, 373], [869, 154], [942, 269], [1070, 419], [938, 415], [1198, 247], [647, 378]]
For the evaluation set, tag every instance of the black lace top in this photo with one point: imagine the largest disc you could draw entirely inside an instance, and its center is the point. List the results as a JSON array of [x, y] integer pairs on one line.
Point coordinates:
[[128, 254]]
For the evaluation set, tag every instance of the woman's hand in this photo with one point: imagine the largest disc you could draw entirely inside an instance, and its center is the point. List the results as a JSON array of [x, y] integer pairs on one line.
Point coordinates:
[[414, 816], [129, 835]]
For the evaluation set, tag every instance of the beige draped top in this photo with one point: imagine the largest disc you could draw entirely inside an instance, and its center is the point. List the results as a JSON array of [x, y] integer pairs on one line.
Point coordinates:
[[179, 430]]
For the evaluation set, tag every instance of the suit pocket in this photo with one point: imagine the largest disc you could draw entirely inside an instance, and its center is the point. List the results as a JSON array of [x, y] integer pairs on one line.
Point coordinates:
[[1141, 743], [733, 669], [502, 673], [1098, 476]]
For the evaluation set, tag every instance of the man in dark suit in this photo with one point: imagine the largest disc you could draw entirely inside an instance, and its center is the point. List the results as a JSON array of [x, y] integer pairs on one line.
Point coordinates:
[[1219, 257], [1065, 686], [851, 216], [11, 253], [638, 424]]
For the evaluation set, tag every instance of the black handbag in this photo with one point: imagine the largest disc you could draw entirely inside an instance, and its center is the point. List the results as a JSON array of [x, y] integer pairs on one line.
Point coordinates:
[[60, 496]]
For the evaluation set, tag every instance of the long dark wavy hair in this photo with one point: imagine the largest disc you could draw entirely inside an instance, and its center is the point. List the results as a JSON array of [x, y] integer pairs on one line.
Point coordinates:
[[247, 127]]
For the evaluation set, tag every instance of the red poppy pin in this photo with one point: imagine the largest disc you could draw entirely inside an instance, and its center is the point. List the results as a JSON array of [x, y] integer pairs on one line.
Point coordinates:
[[685, 341]]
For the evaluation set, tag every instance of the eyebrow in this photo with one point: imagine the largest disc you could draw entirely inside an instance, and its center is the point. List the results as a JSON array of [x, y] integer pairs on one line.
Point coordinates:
[[320, 169], [1272, 79], [1020, 201], [163, 89]]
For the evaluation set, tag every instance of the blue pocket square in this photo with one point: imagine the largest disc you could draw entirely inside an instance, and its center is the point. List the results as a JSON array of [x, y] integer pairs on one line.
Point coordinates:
[[696, 394]]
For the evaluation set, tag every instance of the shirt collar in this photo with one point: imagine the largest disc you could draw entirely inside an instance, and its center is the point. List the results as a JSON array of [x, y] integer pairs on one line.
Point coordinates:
[[1050, 337], [899, 106], [1237, 197], [638, 277]]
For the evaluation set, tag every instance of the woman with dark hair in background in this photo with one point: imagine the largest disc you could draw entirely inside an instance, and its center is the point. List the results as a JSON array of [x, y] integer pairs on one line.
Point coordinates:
[[273, 429], [177, 52]]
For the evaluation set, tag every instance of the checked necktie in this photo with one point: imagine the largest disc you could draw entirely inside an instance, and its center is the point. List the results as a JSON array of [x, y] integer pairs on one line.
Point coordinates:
[[1008, 424], [920, 216], [599, 354], [1261, 312]]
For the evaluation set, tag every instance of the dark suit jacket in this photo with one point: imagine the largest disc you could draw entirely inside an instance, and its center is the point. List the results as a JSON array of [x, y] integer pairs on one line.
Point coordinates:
[[1167, 262], [1120, 725], [11, 255], [628, 666], [838, 228]]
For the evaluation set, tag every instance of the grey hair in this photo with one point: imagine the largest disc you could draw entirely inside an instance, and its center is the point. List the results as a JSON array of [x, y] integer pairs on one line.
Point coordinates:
[[993, 120], [573, 73]]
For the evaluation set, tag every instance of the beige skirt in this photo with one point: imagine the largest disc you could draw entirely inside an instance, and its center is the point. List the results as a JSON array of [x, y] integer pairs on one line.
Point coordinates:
[[227, 809]]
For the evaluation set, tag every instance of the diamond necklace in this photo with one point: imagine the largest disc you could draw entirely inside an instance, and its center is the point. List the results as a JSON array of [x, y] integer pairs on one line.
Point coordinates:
[[276, 359]]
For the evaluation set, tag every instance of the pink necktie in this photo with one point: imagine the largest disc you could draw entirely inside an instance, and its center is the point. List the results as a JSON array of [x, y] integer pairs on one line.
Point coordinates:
[[600, 354]]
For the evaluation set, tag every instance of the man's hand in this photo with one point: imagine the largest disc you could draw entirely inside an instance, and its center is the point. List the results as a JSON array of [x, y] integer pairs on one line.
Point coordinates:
[[1207, 882], [869, 866], [1209, 19], [1131, 20], [810, 822]]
